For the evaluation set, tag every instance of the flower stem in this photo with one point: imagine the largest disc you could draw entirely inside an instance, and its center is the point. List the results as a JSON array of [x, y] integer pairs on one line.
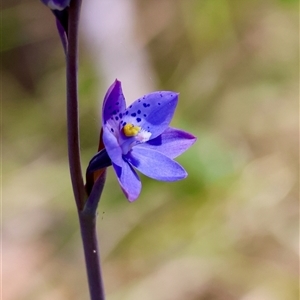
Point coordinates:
[[87, 217], [91, 254], [72, 105]]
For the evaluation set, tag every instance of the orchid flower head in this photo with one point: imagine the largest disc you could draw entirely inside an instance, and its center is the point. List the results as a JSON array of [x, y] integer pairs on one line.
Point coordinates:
[[139, 138]]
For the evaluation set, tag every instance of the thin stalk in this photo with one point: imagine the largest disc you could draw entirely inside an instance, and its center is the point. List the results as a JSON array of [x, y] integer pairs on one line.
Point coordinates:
[[91, 254], [87, 216], [72, 105], [87, 219]]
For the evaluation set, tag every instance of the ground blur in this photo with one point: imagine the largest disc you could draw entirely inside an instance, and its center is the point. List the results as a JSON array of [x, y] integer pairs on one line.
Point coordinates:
[[230, 230]]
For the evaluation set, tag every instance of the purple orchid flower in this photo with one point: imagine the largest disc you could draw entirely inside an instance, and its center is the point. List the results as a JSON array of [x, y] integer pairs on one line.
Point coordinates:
[[139, 137]]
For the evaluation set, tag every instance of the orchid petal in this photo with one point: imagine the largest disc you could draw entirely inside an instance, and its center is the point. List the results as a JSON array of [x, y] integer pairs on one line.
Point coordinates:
[[113, 105], [155, 164], [153, 112], [129, 181], [172, 142], [112, 147]]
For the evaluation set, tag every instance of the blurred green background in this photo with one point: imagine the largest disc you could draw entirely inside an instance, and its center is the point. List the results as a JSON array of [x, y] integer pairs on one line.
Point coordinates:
[[230, 230]]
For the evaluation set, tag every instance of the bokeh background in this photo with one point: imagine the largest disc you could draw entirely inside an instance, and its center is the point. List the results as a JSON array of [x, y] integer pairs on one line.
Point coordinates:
[[231, 229]]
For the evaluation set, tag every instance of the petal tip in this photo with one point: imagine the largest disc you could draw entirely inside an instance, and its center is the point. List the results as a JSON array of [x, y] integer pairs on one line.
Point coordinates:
[[117, 82], [194, 139], [130, 197], [182, 176], [175, 95]]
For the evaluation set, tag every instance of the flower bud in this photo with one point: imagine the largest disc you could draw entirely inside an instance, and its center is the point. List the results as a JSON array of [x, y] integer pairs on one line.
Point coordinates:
[[57, 4]]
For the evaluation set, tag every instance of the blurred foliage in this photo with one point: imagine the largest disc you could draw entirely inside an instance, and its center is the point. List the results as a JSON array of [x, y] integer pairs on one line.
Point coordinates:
[[230, 230]]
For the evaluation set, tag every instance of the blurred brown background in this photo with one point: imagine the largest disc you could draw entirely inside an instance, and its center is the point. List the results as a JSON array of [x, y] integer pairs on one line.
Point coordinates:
[[230, 230]]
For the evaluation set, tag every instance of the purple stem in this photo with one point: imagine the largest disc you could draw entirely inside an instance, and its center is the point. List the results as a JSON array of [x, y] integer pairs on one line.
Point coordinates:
[[72, 105], [87, 216], [91, 253]]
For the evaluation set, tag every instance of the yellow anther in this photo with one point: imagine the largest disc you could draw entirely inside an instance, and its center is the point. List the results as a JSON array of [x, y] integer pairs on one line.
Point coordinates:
[[131, 130]]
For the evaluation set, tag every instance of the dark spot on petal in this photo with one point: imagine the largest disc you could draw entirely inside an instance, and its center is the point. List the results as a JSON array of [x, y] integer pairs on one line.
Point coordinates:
[[145, 115], [114, 112], [120, 115], [124, 123], [133, 114], [112, 130], [139, 100], [138, 120], [117, 103], [145, 104], [138, 112], [116, 118], [127, 112], [130, 106], [158, 103]]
